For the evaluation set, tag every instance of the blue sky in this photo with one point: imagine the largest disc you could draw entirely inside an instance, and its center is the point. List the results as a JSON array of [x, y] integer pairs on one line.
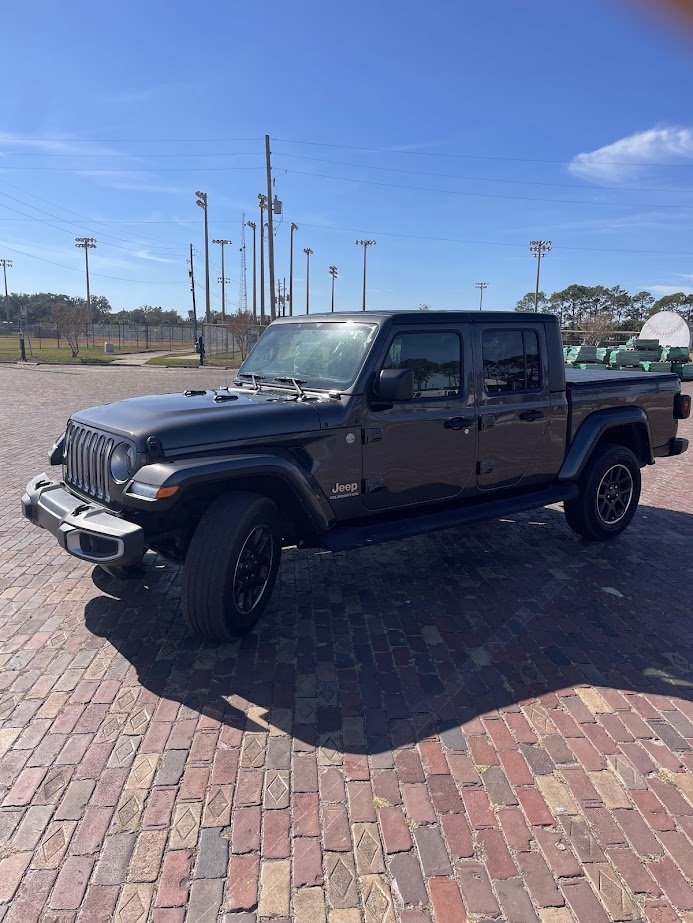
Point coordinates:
[[452, 133]]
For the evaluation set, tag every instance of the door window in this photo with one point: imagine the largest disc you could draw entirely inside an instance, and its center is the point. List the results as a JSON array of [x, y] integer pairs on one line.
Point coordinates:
[[511, 360], [435, 359]]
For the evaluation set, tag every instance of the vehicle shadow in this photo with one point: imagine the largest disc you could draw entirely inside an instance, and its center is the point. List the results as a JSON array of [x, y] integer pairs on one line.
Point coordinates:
[[380, 647]]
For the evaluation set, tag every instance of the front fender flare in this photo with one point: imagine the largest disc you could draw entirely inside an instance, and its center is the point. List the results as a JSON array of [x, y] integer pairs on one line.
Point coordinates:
[[192, 472], [591, 431]]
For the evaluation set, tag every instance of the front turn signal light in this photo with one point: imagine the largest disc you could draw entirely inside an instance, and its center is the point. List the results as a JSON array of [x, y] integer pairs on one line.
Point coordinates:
[[151, 491], [164, 492]]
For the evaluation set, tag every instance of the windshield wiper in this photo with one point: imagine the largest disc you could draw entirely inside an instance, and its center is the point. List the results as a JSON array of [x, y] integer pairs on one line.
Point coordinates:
[[253, 377], [296, 382]]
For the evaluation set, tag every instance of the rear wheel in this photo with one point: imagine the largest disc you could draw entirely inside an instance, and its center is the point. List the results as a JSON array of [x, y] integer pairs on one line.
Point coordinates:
[[231, 565], [609, 494]]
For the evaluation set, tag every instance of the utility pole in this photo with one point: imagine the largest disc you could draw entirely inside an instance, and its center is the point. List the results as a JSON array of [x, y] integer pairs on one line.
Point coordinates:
[[253, 226], [333, 272], [223, 280], [5, 264], [481, 286], [307, 252], [538, 248], [294, 227], [202, 202], [365, 244], [243, 282], [87, 244], [191, 273], [262, 199], [222, 277], [270, 229]]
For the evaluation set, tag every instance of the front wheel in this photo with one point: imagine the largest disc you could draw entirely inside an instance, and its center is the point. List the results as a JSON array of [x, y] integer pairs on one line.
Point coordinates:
[[609, 494], [231, 565]]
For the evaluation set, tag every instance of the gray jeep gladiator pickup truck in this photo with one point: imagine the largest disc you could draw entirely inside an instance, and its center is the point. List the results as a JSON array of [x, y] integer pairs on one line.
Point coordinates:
[[344, 430]]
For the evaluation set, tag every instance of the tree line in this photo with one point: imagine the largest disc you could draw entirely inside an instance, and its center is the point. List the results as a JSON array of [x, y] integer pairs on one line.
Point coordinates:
[[41, 307], [581, 307]]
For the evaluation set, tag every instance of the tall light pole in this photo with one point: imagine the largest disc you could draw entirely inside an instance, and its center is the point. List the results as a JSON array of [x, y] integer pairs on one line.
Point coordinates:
[[333, 272], [87, 244], [223, 280], [191, 273], [222, 277], [270, 228], [262, 200], [307, 252], [253, 226], [202, 202], [5, 264], [538, 248], [365, 244], [481, 286], [294, 227]]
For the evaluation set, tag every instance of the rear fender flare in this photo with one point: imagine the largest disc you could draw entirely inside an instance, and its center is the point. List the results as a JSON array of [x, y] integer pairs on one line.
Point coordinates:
[[591, 431]]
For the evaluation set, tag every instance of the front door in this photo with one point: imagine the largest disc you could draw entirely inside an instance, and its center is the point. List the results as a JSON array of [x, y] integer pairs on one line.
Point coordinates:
[[423, 450]]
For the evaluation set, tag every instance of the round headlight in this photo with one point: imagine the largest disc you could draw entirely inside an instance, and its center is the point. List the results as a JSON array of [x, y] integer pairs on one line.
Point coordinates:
[[123, 462]]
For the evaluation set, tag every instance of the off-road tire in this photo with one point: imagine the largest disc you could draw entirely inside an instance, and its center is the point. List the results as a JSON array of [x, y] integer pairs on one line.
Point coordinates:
[[601, 512], [220, 560]]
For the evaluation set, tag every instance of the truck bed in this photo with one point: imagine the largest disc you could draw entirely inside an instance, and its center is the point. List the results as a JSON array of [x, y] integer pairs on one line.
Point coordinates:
[[586, 378], [591, 390]]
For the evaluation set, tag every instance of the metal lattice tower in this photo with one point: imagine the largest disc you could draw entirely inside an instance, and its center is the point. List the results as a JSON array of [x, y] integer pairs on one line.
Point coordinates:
[[243, 291]]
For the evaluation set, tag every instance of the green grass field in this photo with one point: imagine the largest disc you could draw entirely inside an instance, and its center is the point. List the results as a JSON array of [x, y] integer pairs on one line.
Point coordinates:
[[223, 360], [47, 350]]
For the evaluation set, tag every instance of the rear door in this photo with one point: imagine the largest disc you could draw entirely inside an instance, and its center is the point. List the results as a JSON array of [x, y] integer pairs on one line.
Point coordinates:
[[514, 404], [423, 450]]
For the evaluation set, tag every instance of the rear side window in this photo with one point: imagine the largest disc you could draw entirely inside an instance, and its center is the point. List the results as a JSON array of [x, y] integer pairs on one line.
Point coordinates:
[[511, 360], [434, 358]]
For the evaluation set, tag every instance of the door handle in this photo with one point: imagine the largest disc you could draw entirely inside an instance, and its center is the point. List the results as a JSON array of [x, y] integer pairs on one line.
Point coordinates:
[[531, 415], [458, 423]]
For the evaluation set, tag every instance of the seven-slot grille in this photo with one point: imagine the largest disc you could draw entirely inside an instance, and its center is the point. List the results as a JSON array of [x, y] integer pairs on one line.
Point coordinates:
[[87, 461]]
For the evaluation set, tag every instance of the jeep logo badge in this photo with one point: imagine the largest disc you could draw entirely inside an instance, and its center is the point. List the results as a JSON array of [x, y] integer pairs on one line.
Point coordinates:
[[344, 490]]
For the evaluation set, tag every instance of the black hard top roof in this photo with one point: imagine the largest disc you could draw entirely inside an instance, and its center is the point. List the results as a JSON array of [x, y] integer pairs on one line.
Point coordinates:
[[424, 317]]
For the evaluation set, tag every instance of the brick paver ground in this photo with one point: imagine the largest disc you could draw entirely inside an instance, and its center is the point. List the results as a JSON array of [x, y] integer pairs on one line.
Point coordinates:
[[488, 724]]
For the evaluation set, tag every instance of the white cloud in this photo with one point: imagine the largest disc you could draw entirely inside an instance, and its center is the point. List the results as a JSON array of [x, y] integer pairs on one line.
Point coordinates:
[[659, 291], [11, 144], [146, 255], [623, 159]]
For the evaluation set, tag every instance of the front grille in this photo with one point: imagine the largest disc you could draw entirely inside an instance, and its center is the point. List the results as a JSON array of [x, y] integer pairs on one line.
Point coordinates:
[[87, 461]]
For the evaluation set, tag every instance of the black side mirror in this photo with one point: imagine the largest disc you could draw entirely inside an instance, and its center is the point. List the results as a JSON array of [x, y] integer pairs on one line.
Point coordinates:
[[395, 385]]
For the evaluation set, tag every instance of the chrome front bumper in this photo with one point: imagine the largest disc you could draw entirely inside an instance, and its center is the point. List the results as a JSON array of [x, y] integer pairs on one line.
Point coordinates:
[[84, 529]]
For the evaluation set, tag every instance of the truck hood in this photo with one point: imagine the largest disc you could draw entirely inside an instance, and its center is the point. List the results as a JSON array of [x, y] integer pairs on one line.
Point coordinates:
[[184, 420]]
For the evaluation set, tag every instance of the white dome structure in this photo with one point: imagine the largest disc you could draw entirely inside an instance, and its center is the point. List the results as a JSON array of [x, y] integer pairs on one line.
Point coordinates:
[[669, 328]]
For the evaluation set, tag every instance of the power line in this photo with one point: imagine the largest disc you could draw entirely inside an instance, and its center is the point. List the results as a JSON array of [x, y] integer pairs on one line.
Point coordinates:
[[490, 243], [347, 147], [490, 195], [65, 221], [132, 154], [70, 211], [100, 275], [417, 153], [129, 140], [484, 179], [107, 170]]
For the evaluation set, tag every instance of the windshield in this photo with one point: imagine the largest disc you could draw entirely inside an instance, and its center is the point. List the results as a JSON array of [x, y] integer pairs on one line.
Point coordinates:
[[319, 355]]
